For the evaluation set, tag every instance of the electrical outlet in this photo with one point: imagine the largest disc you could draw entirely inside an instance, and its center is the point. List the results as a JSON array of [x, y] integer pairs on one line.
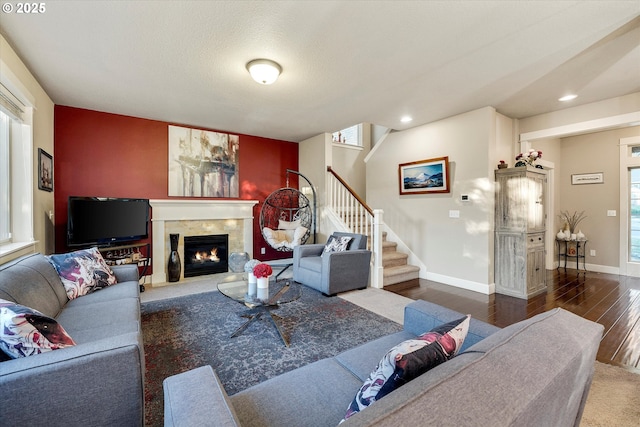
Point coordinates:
[[262, 251], [611, 213], [454, 214], [592, 252]]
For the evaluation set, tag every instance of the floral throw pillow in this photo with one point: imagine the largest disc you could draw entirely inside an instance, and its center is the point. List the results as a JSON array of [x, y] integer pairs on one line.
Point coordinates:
[[82, 272], [25, 331], [337, 244], [409, 360]]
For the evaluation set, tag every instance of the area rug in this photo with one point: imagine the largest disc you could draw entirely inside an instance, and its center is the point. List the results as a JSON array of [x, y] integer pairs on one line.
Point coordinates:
[[186, 332], [614, 398]]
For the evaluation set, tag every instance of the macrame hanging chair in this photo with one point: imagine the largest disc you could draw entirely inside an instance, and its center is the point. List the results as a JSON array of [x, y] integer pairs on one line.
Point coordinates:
[[287, 218]]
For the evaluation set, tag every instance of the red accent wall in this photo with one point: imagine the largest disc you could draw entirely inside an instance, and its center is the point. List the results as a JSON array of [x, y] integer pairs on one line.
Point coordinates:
[[110, 155]]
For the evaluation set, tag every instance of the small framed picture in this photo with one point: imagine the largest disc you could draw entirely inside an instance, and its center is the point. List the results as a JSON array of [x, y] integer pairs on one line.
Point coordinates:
[[587, 178], [424, 176], [45, 170]]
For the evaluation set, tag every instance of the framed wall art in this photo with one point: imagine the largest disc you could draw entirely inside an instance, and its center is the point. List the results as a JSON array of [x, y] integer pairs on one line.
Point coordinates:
[[424, 176], [203, 163], [45, 170], [587, 178]]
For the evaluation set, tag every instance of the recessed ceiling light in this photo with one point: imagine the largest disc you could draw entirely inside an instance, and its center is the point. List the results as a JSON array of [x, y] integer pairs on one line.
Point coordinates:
[[406, 119], [567, 98]]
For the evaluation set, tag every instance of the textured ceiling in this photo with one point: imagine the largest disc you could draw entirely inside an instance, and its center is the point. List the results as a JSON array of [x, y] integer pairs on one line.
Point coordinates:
[[344, 62]]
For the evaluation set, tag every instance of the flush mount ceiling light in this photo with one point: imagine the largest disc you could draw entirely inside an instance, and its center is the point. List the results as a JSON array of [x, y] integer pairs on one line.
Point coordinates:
[[567, 98], [264, 71], [406, 119]]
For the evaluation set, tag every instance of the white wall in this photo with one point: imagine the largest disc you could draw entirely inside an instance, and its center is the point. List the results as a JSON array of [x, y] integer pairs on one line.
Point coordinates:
[[348, 162], [313, 157], [457, 251], [43, 108]]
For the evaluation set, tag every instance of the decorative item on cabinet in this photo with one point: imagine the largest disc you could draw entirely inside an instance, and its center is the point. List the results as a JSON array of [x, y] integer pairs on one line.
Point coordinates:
[[529, 158], [502, 165]]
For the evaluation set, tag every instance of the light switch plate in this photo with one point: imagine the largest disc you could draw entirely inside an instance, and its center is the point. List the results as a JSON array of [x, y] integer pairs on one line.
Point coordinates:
[[611, 213], [454, 214]]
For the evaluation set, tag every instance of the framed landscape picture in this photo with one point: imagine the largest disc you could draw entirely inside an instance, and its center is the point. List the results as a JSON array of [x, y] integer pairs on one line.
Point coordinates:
[[424, 176]]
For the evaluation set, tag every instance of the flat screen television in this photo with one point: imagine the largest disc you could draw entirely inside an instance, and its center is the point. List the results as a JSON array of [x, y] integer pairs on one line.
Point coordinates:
[[105, 221]]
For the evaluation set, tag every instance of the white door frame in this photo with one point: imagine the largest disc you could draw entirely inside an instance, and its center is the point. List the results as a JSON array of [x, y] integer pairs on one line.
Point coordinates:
[[627, 268]]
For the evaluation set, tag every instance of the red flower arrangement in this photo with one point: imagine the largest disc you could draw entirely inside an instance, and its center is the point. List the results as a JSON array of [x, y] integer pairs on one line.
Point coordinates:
[[262, 270]]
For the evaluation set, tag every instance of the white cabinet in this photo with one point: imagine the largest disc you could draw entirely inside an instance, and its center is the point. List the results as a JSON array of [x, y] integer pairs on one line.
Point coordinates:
[[520, 224]]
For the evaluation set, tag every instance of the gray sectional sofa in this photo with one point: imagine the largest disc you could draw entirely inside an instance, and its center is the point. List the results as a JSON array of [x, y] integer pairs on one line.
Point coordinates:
[[533, 373], [99, 381]]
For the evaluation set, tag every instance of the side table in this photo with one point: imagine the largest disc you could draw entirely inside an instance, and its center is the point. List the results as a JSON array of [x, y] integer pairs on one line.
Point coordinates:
[[580, 248]]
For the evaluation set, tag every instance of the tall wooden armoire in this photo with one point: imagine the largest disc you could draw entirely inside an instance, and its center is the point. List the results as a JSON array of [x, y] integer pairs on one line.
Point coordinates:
[[520, 225]]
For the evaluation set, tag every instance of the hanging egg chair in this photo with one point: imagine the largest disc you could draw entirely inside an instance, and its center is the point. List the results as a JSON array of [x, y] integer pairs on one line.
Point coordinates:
[[287, 218]]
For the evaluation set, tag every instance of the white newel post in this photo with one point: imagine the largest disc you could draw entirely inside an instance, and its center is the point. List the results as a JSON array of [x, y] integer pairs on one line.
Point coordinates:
[[377, 276]]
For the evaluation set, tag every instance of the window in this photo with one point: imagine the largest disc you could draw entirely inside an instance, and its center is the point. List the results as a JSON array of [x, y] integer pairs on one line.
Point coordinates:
[[5, 191], [16, 173], [349, 136], [634, 212]]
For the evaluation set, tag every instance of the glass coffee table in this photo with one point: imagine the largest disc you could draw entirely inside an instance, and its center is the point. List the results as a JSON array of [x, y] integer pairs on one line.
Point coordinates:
[[281, 291]]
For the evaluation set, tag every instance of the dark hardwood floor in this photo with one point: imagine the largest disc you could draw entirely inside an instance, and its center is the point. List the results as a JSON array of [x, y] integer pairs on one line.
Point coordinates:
[[611, 300]]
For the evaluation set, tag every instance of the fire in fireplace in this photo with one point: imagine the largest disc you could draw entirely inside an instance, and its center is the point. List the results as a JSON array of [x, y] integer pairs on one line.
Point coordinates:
[[206, 254]]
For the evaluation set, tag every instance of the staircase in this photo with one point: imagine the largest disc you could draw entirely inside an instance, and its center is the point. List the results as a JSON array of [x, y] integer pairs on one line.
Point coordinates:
[[394, 263], [352, 213]]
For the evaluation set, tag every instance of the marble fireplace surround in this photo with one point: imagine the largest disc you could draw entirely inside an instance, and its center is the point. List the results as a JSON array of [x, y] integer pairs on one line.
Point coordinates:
[[197, 217]]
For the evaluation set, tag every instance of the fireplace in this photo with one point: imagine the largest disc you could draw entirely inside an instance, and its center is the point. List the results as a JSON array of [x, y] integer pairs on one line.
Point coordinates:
[[206, 254]]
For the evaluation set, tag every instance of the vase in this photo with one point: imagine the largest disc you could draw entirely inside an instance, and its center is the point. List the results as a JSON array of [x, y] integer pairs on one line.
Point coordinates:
[[252, 286], [174, 265], [237, 260], [263, 289]]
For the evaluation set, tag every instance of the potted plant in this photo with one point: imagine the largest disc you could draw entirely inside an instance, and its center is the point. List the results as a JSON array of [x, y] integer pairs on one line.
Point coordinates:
[[528, 158], [502, 165]]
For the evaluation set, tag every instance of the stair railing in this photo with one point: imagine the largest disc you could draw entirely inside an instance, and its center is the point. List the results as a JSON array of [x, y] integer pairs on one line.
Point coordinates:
[[357, 217]]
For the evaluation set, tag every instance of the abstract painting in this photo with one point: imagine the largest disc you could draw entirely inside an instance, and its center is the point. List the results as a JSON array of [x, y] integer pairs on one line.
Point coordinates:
[[203, 163]]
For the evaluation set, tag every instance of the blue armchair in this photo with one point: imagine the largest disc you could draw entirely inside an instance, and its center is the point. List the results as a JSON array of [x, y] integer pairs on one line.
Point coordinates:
[[333, 272]]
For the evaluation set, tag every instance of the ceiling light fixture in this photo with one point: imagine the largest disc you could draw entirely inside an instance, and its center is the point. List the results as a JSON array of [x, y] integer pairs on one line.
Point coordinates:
[[406, 119], [264, 71], [567, 98]]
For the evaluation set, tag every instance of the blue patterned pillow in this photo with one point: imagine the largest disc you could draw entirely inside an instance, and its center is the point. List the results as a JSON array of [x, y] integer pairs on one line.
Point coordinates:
[[25, 331], [337, 244], [409, 360], [82, 272]]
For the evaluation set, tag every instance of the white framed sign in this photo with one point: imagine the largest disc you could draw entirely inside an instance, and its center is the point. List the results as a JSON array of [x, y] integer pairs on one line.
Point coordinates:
[[587, 178]]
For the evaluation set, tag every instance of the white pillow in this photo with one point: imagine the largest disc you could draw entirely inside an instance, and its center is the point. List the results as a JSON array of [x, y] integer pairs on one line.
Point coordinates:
[[288, 225], [277, 238]]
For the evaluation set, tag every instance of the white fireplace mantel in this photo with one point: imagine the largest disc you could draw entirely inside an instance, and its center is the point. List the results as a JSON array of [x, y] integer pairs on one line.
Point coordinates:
[[194, 210]]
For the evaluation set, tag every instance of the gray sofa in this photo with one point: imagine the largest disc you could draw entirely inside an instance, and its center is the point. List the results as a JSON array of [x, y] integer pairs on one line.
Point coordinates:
[[99, 381], [533, 373], [334, 272]]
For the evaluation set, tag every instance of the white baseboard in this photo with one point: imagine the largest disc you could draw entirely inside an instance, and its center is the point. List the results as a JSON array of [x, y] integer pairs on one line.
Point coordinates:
[[603, 269], [483, 288]]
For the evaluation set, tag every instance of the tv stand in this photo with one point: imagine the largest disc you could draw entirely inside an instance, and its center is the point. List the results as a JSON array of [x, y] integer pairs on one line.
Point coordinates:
[[128, 254]]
